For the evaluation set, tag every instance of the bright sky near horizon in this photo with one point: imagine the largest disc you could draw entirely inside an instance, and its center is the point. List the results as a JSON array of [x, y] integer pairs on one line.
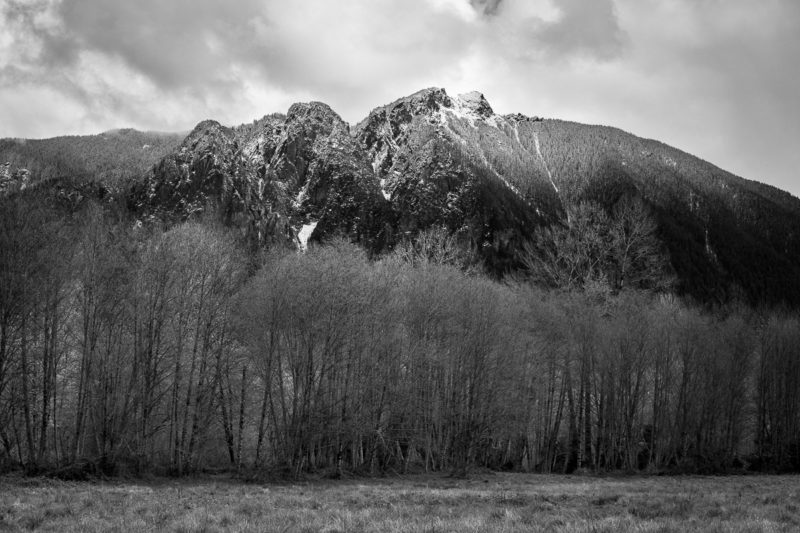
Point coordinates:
[[717, 78]]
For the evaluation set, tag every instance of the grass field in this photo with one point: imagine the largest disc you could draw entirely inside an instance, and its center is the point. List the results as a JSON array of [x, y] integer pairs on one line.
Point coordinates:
[[490, 502]]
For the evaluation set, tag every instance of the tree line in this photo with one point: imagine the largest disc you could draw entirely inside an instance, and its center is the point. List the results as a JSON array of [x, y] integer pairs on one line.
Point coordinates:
[[113, 158], [129, 348]]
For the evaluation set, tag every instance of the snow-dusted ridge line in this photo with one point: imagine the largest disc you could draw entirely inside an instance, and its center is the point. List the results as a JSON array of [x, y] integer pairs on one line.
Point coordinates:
[[446, 125], [460, 110], [464, 106]]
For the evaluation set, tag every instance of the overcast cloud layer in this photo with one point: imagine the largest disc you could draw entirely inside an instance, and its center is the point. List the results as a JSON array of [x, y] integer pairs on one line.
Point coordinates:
[[717, 78]]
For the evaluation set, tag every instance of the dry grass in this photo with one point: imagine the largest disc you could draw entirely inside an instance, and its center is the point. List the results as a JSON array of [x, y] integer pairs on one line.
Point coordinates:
[[503, 502]]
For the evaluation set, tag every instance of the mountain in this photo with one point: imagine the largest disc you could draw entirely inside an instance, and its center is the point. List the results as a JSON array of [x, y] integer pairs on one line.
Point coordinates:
[[431, 159], [302, 174], [726, 236]]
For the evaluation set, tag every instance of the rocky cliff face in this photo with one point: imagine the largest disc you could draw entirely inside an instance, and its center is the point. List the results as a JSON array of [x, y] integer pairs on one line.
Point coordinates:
[[328, 178], [306, 175], [13, 179], [427, 154], [431, 159], [465, 126], [272, 179]]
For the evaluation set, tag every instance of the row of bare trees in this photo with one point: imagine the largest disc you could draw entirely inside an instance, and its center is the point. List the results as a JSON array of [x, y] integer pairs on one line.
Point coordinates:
[[114, 342], [135, 348]]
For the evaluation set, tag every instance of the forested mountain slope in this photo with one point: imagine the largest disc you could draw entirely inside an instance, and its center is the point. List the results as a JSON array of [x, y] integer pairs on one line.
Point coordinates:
[[726, 236], [111, 157], [431, 159]]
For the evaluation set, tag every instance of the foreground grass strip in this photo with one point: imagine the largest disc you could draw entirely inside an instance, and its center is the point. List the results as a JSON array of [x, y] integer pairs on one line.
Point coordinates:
[[507, 502]]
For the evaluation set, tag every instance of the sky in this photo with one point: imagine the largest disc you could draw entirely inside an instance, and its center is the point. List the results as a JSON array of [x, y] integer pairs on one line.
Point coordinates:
[[717, 78]]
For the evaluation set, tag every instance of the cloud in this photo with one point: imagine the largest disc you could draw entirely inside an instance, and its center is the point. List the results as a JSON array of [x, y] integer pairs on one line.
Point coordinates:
[[588, 28], [712, 78], [554, 30], [174, 43], [721, 74], [313, 44], [487, 7]]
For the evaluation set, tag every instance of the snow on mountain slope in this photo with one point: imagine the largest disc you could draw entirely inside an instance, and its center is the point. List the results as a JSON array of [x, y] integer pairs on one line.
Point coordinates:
[[429, 159]]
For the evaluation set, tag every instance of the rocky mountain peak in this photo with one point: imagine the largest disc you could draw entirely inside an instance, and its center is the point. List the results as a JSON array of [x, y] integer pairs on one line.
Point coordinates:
[[519, 117], [310, 128], [317, 116], [474, 103], [207, 135], [431, 99], [426, 102], [429, 160]]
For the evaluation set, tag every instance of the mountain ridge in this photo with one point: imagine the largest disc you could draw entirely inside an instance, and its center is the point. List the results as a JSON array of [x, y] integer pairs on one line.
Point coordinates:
[[430, 159]]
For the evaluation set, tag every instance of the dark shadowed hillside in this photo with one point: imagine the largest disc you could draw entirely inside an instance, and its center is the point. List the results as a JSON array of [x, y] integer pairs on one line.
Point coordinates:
[[727, 237]]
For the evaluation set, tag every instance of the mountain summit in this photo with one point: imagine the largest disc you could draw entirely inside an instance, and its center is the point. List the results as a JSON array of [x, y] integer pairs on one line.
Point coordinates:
[[431, 160], [474, 103]]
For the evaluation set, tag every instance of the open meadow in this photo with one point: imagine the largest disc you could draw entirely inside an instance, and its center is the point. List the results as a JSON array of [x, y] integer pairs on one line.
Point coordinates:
[[486, 502]]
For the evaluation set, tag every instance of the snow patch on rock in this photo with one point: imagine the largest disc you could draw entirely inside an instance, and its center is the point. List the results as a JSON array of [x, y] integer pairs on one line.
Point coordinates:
[[386, 194], [541, 158], [498, 175], [471, 107], [516, 134], [304, 234], [301, 197]]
